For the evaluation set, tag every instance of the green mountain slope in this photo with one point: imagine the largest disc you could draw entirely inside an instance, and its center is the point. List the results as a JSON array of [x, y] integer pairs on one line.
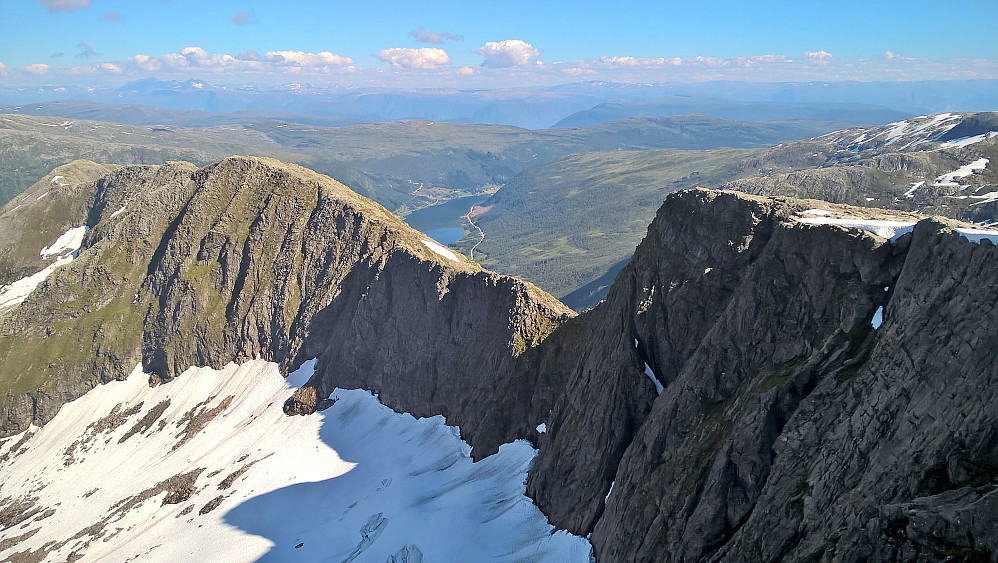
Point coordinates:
[[403, 165], [565, 223]]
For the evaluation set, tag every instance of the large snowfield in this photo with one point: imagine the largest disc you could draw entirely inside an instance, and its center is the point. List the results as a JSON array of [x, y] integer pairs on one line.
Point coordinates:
[[209, 468]]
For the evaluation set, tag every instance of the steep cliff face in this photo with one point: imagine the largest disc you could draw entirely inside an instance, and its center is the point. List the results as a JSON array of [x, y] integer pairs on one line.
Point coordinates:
[[189, 267], [757, 385], [788, 425]]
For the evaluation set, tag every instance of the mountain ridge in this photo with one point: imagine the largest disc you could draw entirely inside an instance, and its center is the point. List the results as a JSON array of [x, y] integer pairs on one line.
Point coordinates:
[[184, 266], [767, 377]]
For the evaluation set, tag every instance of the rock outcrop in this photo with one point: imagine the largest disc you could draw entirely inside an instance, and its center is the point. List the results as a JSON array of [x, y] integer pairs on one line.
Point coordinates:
[[754, 387], [789, 427], [251, 258]]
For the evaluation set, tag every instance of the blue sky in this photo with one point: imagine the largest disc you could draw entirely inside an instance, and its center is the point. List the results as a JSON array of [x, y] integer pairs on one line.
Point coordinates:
[[477, 43]]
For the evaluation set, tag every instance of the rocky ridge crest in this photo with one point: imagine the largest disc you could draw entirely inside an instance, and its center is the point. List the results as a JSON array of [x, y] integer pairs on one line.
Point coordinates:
[[250, 258]]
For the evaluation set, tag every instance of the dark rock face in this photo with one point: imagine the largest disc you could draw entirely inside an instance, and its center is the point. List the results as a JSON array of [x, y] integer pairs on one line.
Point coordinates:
[[788, 427], [254, 258]]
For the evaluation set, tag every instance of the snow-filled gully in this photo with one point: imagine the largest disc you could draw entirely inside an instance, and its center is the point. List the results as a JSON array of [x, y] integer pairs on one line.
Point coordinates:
[[208, 467]]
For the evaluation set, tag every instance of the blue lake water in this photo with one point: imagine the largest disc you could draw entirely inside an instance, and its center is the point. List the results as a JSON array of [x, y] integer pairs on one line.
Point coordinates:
[[443, 222], [446, 236]]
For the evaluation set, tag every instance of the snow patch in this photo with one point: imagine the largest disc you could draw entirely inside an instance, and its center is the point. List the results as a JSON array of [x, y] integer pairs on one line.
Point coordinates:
[[16, 292], [65, 248], [914, 187], [967, 141], [886, 229], [441, 250], [119, 211], [67, 243], [354, 480], [651, 375], [542, 427], [607, 497], [878, 317], [977, 235], [949, 180], [816, 212]]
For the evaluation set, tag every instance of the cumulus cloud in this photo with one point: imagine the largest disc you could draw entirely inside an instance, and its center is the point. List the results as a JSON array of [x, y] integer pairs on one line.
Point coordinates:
[[110, 16], [109, 67], [192, 58], [466, 70], [146, 63], [892, 56], [424, 36], [504, 54], [248, 55], [198, 57], [818, 56], [87, 51], [241, 18], [37, 68], [3, 69], [302, 59], [64, 5], [426, 57]]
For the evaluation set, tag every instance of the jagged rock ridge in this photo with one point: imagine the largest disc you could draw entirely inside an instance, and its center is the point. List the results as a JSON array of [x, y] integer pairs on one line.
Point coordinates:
[[255, 258], [789, 427]]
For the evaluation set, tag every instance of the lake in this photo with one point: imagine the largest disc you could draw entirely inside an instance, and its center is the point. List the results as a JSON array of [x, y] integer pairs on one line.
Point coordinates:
[[442, 222]]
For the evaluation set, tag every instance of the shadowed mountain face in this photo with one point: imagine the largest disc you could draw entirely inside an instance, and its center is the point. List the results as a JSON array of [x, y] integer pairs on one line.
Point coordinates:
[[789, 426], [761, 382], [248, 258]]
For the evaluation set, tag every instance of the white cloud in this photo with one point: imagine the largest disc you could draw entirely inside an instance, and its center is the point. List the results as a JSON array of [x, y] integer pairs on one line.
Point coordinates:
[[109, 67], [768, 59], [64, 5], [302, 59], [711, 61], [241, 18], [424, 36], [147, 63], [198, 57], [503, 54], [635, 62], [248, 55], [426, 57], [467, 70], [110, 16], [892, 56], [37, 68], [818, 56], [192, 58], [3, 69]]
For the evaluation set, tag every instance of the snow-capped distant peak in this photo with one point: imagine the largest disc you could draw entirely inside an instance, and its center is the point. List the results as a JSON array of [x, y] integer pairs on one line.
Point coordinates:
[[898, 136]]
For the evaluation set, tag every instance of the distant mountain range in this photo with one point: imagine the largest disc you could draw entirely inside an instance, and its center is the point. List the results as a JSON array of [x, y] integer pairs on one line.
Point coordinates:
[[403, 165], [532, 108]]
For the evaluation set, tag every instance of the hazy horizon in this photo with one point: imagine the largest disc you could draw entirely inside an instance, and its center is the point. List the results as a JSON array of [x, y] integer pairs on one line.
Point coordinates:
[[107, 43]]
